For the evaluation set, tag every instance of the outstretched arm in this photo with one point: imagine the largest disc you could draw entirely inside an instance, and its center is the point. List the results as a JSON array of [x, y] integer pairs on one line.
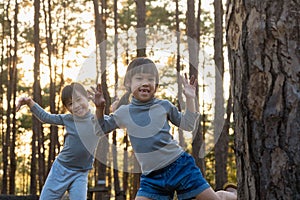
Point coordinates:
[[189, 90], [39, 112], [24, 101]]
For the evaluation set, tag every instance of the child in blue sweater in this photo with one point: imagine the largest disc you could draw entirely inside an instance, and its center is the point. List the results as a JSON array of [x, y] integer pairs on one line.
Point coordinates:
[[165, 166], [69, 171]]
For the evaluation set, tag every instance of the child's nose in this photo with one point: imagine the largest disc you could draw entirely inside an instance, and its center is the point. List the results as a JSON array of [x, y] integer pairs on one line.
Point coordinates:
[[145, 82]]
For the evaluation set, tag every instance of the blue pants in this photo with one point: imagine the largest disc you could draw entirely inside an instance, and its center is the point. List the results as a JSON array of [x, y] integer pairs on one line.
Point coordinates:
[[61, 179]]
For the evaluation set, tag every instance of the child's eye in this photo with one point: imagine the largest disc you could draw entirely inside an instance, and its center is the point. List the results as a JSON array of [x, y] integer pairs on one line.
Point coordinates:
[[78, 99]]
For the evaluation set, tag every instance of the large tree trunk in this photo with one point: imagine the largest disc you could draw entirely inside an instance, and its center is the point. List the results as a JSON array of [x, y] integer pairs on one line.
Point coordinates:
[[263, 44]]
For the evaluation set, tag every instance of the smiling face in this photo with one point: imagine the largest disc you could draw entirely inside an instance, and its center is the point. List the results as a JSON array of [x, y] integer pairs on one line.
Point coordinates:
[[78, 105], [141, 78], [74, 98], [143, 86]]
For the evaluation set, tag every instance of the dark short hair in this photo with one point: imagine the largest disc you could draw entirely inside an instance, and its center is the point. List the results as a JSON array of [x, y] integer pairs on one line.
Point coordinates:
[[141, 65], [70, 90]]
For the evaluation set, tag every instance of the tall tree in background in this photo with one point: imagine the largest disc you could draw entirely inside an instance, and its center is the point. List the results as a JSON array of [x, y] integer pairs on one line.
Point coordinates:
[[114, 135], [178, 71], [100, 31], [36, 124], [221, 137], [14, 78], [53, 144], [5, 136], [193, 34], [40, 135], [141, 27], [2, 77], [263, 45]]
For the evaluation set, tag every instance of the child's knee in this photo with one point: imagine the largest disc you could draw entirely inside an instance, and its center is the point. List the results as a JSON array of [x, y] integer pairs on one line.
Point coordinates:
[[225, 195]]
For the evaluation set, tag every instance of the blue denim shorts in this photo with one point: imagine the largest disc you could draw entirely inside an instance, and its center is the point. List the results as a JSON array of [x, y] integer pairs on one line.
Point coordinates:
[[182, 176]]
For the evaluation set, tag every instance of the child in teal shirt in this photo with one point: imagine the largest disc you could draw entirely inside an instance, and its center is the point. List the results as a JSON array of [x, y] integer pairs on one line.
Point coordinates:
[[165, 166], [69, 171]]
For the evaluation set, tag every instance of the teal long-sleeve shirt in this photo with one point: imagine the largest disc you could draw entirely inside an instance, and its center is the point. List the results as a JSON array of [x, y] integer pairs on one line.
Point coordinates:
[[147, 124], [80, 137]]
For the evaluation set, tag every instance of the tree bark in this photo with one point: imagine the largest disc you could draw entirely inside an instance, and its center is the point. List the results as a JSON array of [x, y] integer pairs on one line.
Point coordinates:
[[221, 137], [263, 45], [36, 124]]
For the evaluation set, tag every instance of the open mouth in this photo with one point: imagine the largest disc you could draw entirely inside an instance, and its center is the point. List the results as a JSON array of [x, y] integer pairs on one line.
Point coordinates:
[[144, 90]]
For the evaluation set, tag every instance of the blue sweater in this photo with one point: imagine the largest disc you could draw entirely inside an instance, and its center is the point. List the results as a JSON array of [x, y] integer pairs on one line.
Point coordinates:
[[80, 137], [149, 130]]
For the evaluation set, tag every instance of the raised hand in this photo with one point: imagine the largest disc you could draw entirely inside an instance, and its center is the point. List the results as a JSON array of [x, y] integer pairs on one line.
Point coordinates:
[[24, 101], [189, 86], [96, 95]]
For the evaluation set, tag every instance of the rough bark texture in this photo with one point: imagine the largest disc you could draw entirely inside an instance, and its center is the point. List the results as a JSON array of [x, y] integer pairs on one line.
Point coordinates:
[[264, 53]]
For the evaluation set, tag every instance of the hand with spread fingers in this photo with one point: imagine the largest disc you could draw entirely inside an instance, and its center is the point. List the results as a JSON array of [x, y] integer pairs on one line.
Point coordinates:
[[189, 86], [96, 95], [189, 90]]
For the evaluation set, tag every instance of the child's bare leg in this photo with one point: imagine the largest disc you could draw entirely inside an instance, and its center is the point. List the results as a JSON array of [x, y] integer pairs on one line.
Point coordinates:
[[225, 195], [210, 194], [229, 192]]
